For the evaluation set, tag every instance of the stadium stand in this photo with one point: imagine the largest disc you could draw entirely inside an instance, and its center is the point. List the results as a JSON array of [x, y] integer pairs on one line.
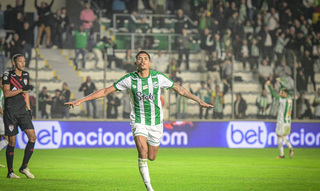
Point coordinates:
[[154, 32]]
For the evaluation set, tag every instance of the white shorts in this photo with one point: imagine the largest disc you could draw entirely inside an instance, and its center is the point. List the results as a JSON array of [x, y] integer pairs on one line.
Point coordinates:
[[1, 126], [283, 129], [152, 133]]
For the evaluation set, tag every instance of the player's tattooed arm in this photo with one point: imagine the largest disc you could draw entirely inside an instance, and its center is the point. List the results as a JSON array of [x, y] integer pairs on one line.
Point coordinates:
[[184, 92]]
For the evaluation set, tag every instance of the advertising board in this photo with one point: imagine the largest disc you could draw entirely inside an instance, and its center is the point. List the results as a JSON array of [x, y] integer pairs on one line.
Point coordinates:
[[233, 134]]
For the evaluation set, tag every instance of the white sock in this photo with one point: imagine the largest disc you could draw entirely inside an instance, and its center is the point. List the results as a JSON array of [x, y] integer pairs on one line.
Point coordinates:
[[287, 142], [280, 146], [144, 171], [3, 144]]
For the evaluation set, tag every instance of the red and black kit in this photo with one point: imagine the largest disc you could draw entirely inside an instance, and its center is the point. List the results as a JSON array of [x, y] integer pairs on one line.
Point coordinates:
[[15, 110]]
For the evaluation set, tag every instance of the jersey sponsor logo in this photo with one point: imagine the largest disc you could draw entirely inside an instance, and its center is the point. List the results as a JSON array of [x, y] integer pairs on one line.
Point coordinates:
[[144, 97], [145, 87], [246, 134], [25, 74], [11, 128], [14, 89], [25, 81]]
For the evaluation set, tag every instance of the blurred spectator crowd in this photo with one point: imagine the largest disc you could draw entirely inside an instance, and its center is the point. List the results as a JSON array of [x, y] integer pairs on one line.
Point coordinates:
[[276, 40]]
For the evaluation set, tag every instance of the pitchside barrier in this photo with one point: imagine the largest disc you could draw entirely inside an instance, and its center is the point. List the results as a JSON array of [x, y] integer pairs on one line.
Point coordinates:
[[231, 134]]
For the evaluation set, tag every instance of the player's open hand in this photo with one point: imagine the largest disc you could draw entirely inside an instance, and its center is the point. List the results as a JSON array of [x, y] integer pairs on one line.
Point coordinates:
[[205, 105], [71, 104]]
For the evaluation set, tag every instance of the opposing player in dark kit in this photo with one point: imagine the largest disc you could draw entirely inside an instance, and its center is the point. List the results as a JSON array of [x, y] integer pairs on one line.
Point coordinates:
[[17, 112]]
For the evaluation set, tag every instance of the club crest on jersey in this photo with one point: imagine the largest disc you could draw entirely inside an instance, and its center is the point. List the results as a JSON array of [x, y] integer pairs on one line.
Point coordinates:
[[134, 86], [5, 77], [25, 81], [11, 127], [144, 97]]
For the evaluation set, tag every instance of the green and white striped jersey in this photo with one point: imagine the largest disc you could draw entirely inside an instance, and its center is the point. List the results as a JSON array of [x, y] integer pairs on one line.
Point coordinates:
[[145, 94], [285, 108], [274, 108], [262, 102]]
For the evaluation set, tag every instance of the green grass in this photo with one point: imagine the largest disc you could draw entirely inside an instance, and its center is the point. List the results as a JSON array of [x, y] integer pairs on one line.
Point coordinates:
[[174, 169]]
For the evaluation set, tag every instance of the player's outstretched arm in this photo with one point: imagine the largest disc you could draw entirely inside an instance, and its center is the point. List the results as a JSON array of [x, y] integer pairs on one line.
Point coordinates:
[[184, 92], [95, 95], [268, 83]]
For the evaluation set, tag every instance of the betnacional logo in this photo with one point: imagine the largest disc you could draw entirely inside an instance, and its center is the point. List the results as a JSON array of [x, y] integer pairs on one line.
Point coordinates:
[[246, 134], [48, 134], [51, 135]]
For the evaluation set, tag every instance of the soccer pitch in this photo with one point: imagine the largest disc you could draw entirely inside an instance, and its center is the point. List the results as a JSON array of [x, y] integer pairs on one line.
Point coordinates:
[[182, 169]]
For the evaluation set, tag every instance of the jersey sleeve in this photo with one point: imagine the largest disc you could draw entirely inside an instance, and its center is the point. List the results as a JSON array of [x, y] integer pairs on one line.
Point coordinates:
[[165, 82], [274, 93], [123, 83], [5, 78]]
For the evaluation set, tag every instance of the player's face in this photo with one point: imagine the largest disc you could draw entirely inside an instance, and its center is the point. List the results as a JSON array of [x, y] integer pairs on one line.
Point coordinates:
[[283, 94], [20, 63], [143, 62]]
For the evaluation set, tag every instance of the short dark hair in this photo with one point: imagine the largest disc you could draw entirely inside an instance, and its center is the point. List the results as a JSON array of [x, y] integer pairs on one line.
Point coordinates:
[[142, 52], [285, 90], [14, 57]]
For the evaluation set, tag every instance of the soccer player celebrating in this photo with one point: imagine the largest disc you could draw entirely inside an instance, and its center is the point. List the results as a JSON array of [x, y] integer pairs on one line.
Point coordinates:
[[17, 112], [284, 118], [146, 115]]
